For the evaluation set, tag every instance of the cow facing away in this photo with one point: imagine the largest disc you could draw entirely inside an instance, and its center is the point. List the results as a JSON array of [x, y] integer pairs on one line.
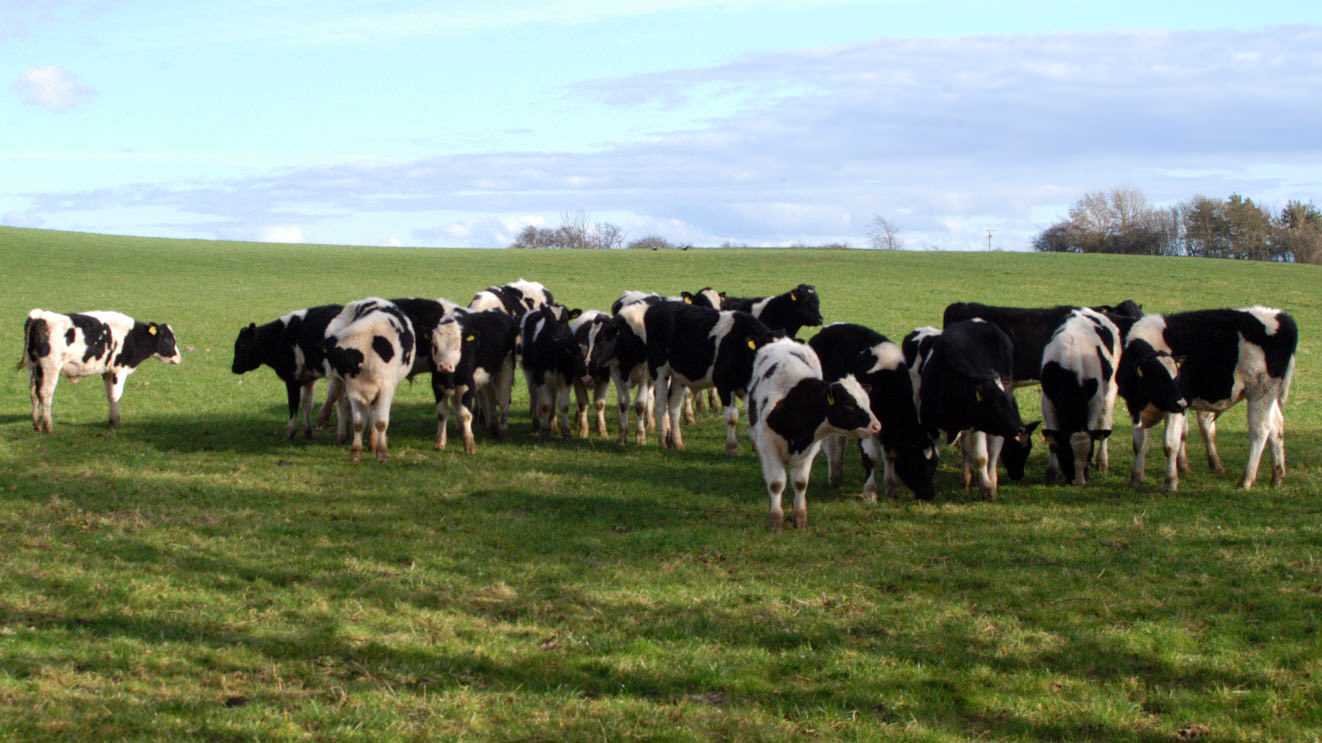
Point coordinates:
[[552, 361], [1078, 393], [1209, 360], [369, 355], [587, 329], [84, 344], [791, 409], [906, 452], [291, 346], [963, 386], [621, 347]]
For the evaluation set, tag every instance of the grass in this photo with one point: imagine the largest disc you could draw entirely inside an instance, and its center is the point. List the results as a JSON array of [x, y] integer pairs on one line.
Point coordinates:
[[191, 576]]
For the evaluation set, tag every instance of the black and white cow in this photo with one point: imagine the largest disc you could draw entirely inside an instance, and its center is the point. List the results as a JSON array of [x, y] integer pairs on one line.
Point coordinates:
[[483, 374], [791, 409], [1208, 360], [785, 313], [907, 453], [516, 298], [620, 346], [587, 328], [1031, 328], [693, 400], [963, 386], [290, 345], [699, 347], [1078, 393], [551, 361], [85, 344], [370, 355]]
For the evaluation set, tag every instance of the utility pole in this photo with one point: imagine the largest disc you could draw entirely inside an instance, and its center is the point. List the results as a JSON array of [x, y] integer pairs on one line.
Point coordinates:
[[989, 234]]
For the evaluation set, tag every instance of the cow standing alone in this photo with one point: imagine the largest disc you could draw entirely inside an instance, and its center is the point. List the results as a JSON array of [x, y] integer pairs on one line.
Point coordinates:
[[86, 344]]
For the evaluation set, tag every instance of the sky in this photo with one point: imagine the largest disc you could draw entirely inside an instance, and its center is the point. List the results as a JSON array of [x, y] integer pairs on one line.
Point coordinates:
[[705, 122]]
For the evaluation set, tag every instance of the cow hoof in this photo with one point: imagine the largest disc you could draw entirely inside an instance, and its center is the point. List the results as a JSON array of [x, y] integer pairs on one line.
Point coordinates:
[[870, 496], [470, 446], [1172, 486], [732, 449], [800, 519], [776, 521], [355, 456], [602, 431], [1135, 481], [1216, 467]]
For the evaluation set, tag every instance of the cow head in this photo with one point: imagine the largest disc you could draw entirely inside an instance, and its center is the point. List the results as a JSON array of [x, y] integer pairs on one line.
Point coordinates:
[[993, 408], [247, 351], [1156, 374], [1015, 451], [849, 410], [803, 298], [448, 340], [915, 462], [165, 348]]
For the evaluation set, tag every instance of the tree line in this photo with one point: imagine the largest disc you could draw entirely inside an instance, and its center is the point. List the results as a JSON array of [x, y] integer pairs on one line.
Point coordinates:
[[1122, 221]]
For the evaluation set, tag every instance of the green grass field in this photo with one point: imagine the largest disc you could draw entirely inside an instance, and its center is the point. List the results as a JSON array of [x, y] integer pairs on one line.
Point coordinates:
[[192, 576]]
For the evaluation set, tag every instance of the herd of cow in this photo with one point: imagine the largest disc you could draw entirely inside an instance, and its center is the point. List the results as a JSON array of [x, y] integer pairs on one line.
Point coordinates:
[[847, 381]]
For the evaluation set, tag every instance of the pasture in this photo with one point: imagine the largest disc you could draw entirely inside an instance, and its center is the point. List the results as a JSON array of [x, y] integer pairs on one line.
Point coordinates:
[[192, 576]]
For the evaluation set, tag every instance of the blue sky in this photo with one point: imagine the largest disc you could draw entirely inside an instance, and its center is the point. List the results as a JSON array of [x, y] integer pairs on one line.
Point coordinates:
[[763, 123]]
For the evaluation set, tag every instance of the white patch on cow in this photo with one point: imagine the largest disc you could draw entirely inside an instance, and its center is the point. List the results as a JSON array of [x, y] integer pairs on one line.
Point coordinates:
[[1000, 385], [889, 357], [756, 309], [1150, 329], [1266, 316], [447, 344], [722, 326], [296, 314], [486, 300], [633, 315]]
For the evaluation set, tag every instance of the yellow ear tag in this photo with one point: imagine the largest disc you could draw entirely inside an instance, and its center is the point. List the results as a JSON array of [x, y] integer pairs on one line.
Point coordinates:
[[151, 329], [471, 338], [794, 297], [1046, 436], [752, 344], [687, 300], [1140, 372], [830, 399], [979, 395]]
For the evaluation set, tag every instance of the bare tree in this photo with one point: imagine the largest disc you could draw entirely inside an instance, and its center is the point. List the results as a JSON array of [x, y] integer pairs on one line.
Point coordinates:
[[884, 235]]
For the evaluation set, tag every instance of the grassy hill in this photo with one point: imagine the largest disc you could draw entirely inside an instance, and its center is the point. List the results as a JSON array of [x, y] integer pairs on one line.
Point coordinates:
[[193, 576]]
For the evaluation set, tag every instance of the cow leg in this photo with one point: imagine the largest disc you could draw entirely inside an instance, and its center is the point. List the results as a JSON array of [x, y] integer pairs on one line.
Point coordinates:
[[661, 407], [1103, 458], [1207, 428], [1082, 444], [731, 423], [581, 416], [1140, 434], [870, 448], [1053, 464], [443, 417], [466, 400], [542, 405], [381, 421], [41, 386], [503, 390], [343, 418], [1261, 430], [599, 392], [114, 390], [800, 469], [890, 480], [973, 445], [689, 417], [1177, 431], [622, 402], [834, 446], [773, 473], [562, 408], [991, 473], [334, 391], [711, 399], [293, 396], [1182, 454], [1277, 442], [357, 415], [674, 413], [307, 398]]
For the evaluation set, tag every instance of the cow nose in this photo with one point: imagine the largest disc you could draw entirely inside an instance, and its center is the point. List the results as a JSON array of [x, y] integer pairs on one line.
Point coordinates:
[[875, 428]]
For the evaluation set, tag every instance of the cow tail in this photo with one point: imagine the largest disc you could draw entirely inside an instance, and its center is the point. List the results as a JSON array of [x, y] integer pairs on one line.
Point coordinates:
[[1285, 382], [27, 343]]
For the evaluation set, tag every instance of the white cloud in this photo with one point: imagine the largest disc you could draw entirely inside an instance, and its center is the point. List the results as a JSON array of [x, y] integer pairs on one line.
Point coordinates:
[[280, 234], [52, 87]]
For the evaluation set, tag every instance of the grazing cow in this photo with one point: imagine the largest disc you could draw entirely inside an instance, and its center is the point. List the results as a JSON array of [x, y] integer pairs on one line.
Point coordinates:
[[963, 386], [1078, 393], [1030, 329], [370, 354], [699, 347], [587, 328], [551, 362], [84, 344], [785, 313], [484, 372], [1208, 360], [790, 410], [620, 346], [516, 298], [903, 446], [291, 345]]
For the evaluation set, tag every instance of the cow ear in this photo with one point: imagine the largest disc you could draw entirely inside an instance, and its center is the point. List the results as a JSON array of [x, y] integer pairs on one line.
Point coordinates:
[[252, 326], [574, 313], [1179, 360], [1031, 427], [1100, 434]]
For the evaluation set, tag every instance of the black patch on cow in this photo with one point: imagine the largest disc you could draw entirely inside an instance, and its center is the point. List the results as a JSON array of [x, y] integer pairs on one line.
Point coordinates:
[[382, 346], [797, 416], [963, 382], [680, 335], [69, 335], [548, 345], [96, 336], [346, 361], [771, 371], [142, 342], [37, 334]]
